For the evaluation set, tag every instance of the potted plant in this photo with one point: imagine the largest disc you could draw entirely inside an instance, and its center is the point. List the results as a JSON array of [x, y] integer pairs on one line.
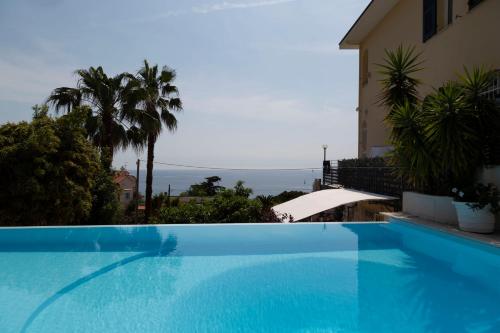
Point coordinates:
[[476, 207]]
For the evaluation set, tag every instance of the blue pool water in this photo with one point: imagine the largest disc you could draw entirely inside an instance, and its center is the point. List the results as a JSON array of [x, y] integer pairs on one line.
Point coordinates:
[[374, 277]]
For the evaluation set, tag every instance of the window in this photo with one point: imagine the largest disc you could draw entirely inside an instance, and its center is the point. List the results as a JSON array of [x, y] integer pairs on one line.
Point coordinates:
[[429, 19], [364, 136], [450, 11], [437, 15], [444, 13], [127, 196], [364, 68], [474, 3]]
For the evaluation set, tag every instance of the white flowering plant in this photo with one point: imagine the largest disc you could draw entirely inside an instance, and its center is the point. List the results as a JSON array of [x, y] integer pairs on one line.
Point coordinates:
[[479, 196]]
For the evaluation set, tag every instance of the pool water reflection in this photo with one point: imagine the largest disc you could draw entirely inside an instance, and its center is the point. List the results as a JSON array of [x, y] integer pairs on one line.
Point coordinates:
[[375, 277]]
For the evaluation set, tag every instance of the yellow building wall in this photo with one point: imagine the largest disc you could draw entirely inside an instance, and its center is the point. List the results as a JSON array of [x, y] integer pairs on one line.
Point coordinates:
[[472, 39]]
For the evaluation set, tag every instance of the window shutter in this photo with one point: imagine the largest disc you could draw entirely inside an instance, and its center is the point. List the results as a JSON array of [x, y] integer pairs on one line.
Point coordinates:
[[364, 68], [429, 19]]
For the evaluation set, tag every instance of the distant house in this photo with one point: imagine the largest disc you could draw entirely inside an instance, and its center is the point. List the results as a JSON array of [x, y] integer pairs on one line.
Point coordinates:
[[127, 184], [450, 34]]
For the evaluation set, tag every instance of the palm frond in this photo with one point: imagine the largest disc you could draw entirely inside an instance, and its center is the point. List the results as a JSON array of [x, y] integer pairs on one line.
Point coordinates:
[[486, 114], [398, 81], [148, 99], [168, 118], [105, 96], [449, 131], [415, 162], [167, 75], [65, 97]]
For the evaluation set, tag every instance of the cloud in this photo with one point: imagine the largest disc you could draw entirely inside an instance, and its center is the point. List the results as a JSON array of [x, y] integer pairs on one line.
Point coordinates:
[[259, 130], [320, 48], [254, 107], [28, 76], [204, 9], [161, 16], [268, 108], [241, 129], [226, 5]]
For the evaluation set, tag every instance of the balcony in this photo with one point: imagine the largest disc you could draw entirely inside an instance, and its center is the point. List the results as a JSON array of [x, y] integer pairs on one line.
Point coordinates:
[[368, 175], [493, 91]]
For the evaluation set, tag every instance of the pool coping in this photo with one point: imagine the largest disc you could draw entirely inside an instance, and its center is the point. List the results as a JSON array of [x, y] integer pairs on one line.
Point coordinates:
[[487, 239], [184, 224]]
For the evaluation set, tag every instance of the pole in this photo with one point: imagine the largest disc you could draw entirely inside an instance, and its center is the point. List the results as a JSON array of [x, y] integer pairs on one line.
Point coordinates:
[[137, 189], [168, 196]]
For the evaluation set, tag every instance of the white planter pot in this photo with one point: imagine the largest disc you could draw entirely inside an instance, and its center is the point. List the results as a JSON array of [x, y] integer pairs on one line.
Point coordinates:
[[480, 221], [430, 207]]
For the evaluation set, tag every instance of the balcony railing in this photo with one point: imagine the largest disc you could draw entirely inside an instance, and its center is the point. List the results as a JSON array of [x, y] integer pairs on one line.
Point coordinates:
[[369, 175], [493, 91]]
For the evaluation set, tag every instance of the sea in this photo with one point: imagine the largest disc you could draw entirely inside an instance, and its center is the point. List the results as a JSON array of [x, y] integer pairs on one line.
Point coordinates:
[[262, 182]]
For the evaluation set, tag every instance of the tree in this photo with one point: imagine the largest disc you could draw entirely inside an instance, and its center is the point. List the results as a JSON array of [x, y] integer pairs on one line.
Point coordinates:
[[152, 99], [227, 206], [414, 162], [441, 141], [267, 214], [287, 196], [230, 206], [399, 86], [450, 133], [207, 188], [104, 95], [188, 213], [105, 204], [47, 169], [241, 190], [486, 115]]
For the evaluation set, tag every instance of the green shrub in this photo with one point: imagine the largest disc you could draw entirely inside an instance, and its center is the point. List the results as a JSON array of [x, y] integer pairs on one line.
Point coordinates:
[[227, 206], [48, 171]]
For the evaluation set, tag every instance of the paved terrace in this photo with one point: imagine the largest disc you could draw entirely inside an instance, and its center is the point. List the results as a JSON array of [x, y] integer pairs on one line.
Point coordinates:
[[491, 239]]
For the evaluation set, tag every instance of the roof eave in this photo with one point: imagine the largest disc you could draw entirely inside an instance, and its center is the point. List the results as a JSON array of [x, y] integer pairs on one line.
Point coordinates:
[[344, 43], [366, 22], [348, 46]]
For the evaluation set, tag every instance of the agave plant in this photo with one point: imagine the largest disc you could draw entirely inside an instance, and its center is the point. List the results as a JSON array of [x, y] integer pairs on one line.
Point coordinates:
[[450, 132], [486, 115], [415, 162], [445, 138], [400, 94], [399, 85]]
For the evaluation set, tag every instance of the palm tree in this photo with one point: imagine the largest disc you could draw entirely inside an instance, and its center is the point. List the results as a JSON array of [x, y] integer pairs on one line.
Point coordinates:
[[415, 162], [449, 130], [440, 141], [154, 99], [104, 96], [398, 82], [486, 119], [400, 94]]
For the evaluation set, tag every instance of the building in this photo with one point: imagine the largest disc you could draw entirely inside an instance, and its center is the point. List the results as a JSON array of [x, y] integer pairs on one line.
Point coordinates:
[[450, 34], [127, 184]]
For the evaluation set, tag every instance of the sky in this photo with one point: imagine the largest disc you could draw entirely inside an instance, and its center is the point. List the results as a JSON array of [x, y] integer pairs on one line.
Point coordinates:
[[263, 82]]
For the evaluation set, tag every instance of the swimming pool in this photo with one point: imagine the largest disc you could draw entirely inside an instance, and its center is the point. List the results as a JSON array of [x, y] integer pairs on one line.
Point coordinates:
[[377, 277]]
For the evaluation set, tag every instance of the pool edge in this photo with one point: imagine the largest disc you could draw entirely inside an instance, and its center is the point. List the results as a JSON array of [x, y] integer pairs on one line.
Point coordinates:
[[447, 230]]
